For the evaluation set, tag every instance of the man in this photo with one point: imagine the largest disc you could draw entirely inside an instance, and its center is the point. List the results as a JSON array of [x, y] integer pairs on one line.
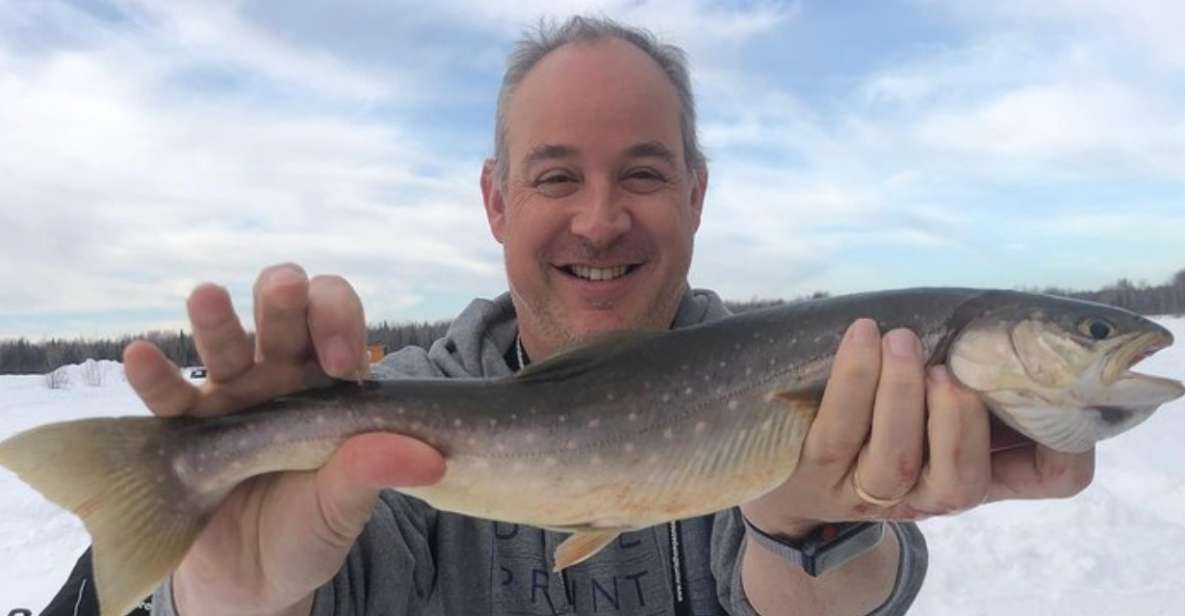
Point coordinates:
[[595, 193]]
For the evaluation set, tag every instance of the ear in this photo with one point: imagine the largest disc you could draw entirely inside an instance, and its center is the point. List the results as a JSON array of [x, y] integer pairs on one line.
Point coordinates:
[[491, 195], [698, 189]]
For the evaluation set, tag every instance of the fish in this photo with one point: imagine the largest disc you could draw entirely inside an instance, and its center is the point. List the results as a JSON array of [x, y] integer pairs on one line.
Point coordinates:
[[625, 431]]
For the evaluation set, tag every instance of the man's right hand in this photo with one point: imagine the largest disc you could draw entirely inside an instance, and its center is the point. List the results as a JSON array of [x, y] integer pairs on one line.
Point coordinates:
[[277, 537]]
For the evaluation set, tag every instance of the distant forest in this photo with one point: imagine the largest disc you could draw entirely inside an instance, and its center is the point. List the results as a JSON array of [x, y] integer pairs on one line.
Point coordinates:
[[21, 356]]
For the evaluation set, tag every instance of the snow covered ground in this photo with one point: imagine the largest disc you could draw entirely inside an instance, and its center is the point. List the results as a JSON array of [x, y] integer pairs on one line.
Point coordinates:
[[1118, 548]]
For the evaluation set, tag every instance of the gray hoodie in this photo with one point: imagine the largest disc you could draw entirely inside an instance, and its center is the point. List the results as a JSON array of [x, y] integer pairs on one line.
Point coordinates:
[[414, 560]]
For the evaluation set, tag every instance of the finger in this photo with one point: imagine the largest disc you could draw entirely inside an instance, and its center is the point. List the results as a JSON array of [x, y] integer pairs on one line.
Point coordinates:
[[349, 482], [337, 327], [218, 334], [1037, 471], [281, 320], [157, 380], [842, 425], [891, 462], [959, 470]]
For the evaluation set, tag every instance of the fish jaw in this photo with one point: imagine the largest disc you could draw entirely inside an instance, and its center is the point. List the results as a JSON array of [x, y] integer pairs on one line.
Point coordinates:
[[1056, 388]]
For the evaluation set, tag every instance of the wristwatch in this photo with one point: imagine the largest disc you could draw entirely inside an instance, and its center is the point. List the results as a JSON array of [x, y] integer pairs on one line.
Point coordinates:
[[825, 548]]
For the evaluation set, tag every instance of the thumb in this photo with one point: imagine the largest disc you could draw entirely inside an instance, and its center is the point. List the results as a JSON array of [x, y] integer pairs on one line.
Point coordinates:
[[349, 483]]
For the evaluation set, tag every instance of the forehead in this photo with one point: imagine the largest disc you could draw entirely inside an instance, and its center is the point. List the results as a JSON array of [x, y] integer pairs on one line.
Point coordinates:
[[598, 97]]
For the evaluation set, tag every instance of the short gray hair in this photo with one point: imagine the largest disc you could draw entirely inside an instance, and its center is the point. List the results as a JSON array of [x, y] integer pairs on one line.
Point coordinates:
[[549, 36]]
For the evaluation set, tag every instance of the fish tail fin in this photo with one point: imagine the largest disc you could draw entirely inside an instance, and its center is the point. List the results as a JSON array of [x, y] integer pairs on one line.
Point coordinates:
[[115, 475]]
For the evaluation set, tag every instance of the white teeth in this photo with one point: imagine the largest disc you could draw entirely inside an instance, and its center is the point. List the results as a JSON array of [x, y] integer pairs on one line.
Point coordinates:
[[598, 273]]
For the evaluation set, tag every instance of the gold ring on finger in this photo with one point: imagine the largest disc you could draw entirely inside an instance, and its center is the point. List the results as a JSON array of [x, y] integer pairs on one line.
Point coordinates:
[[870, 499]]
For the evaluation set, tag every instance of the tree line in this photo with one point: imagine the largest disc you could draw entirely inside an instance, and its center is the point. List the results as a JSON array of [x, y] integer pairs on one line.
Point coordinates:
[[22, 356]]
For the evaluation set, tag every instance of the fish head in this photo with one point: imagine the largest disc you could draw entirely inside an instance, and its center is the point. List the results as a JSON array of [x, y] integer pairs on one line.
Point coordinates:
[[1059, 371]]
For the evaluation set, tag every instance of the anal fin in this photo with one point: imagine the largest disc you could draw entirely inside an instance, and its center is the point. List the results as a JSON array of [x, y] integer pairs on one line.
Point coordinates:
[[583, 545]]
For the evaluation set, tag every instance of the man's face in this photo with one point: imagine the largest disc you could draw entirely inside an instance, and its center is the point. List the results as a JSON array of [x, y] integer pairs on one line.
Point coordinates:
[[599, 210]]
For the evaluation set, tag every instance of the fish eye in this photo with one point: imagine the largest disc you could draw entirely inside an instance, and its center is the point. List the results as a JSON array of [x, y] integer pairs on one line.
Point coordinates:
[[1098, 329]]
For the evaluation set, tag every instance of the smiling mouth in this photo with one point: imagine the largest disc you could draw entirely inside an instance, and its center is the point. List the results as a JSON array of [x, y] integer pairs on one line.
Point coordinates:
[[598, 274]]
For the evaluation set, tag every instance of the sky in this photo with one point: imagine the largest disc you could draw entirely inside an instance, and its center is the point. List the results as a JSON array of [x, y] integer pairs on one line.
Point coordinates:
[[146, 147]]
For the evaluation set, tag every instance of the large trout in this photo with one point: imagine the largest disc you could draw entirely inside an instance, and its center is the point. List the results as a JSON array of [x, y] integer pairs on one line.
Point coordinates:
[[628, 431]]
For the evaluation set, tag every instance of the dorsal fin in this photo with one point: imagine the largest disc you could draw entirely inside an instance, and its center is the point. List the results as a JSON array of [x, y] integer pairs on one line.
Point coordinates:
[[583, 355]]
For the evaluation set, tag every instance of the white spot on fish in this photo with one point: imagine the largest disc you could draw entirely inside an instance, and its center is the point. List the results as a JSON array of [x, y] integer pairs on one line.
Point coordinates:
[[401, 410], [609, 396], [772, 361], [687, 391], [472, 442], [629, 447], [770, 340], [320, 419], [720, 389], [532, 410], [378, 421], [499, 447], [563, 418], [723, 364], [571, 444], [748, 371], [634, 416], [596, 460], [513, 416], [493, 423], [732, 405], [700, 426], [457, 423], [530, 436], [592, 423], [160, 451], [415, 425], [666, 397], [684, 367], [737, 346], [668, 434]]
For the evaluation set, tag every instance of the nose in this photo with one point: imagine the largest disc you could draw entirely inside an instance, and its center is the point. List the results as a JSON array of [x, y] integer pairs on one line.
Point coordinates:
[[601, 218]]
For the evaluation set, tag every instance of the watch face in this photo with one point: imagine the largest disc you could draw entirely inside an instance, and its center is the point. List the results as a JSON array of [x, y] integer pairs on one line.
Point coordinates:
[[850, 541]]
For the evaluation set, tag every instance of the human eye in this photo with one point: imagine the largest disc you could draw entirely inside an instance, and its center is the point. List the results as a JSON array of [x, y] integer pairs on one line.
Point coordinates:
[[556, 184], [644, 180]]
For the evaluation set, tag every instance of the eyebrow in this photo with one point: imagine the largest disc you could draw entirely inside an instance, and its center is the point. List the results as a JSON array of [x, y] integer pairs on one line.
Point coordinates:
[[651, 149], [548, 151], [552, 151]]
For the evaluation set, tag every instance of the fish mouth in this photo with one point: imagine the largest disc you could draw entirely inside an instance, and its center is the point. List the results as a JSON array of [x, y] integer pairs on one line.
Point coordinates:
[[1139, 348]]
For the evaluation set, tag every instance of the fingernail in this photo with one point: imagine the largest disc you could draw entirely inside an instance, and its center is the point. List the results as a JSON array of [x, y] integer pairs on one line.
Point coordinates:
[[863, 331], [903, 344], [338, 360], [939, 374]]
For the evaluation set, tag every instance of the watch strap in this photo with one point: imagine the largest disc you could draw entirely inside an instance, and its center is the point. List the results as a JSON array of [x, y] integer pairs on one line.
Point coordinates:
[[825, 548]]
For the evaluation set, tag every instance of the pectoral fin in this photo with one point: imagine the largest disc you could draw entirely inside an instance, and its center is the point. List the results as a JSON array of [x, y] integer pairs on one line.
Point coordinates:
[[582, 545]]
